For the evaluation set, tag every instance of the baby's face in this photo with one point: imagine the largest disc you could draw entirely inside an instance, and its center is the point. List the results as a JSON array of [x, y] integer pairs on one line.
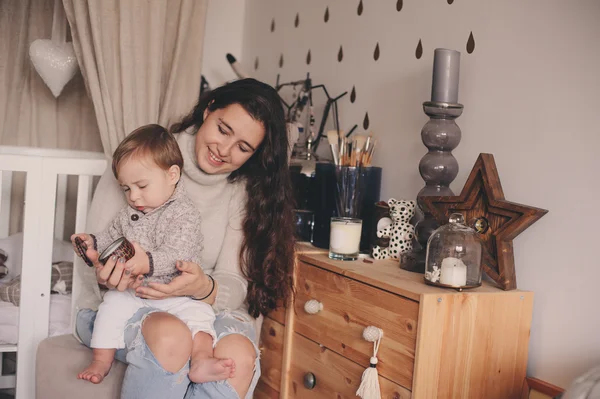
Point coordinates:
[[146, 185]]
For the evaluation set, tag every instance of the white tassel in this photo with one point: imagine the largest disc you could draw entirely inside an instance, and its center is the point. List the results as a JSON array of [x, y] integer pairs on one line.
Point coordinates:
[[369, 384]]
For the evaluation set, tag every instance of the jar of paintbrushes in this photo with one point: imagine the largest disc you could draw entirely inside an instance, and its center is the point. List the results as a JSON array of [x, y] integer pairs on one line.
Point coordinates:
[[351, 157]]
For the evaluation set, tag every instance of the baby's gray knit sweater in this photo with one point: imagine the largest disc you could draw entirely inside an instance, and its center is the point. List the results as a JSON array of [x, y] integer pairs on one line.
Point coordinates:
[[168, 233]]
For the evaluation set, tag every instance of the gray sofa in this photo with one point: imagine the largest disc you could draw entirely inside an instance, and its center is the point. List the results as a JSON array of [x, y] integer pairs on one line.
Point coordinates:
[[59, 359]]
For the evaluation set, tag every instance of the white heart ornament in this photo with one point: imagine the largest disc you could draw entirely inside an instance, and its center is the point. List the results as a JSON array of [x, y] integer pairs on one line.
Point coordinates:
[[55, 62]]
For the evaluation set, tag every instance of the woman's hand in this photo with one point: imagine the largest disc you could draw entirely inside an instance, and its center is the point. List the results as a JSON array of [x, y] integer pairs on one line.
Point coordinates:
[[114, 275], [191, 282]]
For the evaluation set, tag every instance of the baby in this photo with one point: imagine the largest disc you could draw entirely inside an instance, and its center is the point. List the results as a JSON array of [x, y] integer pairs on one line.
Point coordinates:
[[163, 225]]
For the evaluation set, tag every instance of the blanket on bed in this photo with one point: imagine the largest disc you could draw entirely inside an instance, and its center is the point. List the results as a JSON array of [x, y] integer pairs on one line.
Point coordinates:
[[11, 258], [61, 283]]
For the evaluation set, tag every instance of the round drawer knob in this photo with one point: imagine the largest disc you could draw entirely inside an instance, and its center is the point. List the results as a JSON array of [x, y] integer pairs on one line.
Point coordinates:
[[310, 380], [313, 306], [372, 333]]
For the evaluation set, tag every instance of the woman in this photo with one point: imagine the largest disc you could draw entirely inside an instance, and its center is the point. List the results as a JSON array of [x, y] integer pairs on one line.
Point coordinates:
[[235, 149]]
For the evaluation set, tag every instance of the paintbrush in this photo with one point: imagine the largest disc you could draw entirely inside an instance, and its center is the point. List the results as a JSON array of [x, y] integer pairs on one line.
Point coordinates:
[[333, 138]]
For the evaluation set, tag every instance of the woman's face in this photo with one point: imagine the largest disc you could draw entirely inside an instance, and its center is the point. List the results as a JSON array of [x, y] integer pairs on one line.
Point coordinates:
[[227, 139]]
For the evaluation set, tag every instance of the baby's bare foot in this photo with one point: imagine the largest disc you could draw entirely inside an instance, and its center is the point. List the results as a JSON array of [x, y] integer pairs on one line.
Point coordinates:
[[211, 369], [95, 372]]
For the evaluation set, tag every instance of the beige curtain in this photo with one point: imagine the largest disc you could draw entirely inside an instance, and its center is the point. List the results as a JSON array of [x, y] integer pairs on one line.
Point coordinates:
[[29, 113], [141, 60]]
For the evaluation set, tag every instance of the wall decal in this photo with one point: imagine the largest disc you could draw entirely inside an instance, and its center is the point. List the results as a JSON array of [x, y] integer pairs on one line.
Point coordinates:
[[353, 94], [297, 20], [281, 61], [470, 43], [419, 50], [359, 10], [308, 58], [366, 121], [326, 17], [450, 1], [399, 5], [273, 25], [376, 52], [340, 54], [256, 64]]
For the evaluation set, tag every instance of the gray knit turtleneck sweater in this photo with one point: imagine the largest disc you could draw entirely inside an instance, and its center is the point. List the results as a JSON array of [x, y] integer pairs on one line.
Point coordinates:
[[222, 207]]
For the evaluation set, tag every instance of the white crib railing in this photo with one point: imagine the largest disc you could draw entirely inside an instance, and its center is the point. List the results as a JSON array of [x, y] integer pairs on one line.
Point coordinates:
[[45, 170]]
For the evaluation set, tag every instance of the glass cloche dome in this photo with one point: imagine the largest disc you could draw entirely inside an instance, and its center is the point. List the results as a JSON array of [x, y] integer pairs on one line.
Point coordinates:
[[454, 255]]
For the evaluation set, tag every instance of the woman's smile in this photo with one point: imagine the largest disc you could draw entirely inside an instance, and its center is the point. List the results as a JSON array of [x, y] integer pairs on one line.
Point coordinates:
[[214, 159]]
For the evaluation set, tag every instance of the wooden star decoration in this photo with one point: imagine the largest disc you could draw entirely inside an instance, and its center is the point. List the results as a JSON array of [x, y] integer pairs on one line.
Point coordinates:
[[497, 221]]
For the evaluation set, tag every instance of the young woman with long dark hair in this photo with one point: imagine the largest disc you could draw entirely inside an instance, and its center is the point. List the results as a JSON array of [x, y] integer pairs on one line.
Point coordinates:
[[235, 149]]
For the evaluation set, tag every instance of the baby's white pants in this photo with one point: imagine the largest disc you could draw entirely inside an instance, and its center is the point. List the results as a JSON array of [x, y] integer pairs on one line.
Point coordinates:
[[118, 307]]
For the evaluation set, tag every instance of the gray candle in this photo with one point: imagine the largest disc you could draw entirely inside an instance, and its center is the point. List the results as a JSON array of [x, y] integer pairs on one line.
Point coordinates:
[[446, 68]]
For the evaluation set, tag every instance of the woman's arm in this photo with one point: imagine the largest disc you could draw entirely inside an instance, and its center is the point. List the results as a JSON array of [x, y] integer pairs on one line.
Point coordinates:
[[233, 285], [192, 282]]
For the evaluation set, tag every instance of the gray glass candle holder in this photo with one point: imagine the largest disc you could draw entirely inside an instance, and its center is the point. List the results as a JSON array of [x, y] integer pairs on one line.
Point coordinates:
[[438, 168]]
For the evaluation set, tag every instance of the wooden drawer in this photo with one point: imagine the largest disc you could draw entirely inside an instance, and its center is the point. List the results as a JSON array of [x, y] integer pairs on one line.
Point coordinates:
[[348, 307], [336, 376], [271, 347]]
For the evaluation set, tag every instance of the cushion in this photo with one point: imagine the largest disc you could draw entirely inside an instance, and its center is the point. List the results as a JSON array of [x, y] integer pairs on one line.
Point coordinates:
[[59, 360]]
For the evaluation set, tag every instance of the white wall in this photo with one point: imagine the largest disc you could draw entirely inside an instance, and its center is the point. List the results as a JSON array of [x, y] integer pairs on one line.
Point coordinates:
[[224, 34], [530, 90]]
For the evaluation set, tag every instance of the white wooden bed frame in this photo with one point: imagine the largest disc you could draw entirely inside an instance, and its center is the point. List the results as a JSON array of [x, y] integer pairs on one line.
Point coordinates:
[[45, 203]]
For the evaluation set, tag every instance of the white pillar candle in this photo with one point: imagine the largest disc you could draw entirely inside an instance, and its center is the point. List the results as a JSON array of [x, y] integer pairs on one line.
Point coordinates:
[[345, 236], [453, 272]]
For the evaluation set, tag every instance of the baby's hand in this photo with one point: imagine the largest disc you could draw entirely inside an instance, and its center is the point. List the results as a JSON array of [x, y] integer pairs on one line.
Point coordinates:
[[86, 238], [83, 244], [139, 264]]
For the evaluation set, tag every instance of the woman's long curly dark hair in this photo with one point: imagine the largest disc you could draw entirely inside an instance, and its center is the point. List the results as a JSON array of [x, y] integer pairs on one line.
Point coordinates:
[[267, 253]]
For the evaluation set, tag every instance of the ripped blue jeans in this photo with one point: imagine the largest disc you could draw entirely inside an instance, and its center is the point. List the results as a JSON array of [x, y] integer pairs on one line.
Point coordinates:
[[146, 379]]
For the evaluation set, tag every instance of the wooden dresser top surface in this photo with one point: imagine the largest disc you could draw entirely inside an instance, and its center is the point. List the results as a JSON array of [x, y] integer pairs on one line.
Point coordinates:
[[387, 275]]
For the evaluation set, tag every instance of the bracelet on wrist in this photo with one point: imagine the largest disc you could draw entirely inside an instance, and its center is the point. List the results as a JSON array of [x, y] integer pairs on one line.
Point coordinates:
[[209, 293]]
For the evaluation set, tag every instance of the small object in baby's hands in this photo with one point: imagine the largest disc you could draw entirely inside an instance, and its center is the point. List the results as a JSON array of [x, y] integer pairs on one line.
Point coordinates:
[[121, 248], [81, 248]]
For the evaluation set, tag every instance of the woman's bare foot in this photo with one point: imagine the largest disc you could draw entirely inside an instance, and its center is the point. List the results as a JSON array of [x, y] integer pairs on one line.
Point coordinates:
[[211, 369], [95, 372]]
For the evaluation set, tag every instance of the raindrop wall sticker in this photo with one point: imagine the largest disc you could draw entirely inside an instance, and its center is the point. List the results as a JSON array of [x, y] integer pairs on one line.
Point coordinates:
[[326, 17], [359, 10], [366, 121], [297, 20], [353, 94], [256, 64], [273, 25], [419, 50], [471, 44], [376, 52], [340, 54], [399, 5], [450, 1], [308, 58], [281, 61]]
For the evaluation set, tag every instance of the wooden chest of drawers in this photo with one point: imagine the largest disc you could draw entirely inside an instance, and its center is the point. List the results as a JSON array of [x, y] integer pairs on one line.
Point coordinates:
[[437, 343]]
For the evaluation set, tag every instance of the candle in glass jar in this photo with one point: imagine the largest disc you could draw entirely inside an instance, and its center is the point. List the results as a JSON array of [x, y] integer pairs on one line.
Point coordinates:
[[345, 236], [453, 272]]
